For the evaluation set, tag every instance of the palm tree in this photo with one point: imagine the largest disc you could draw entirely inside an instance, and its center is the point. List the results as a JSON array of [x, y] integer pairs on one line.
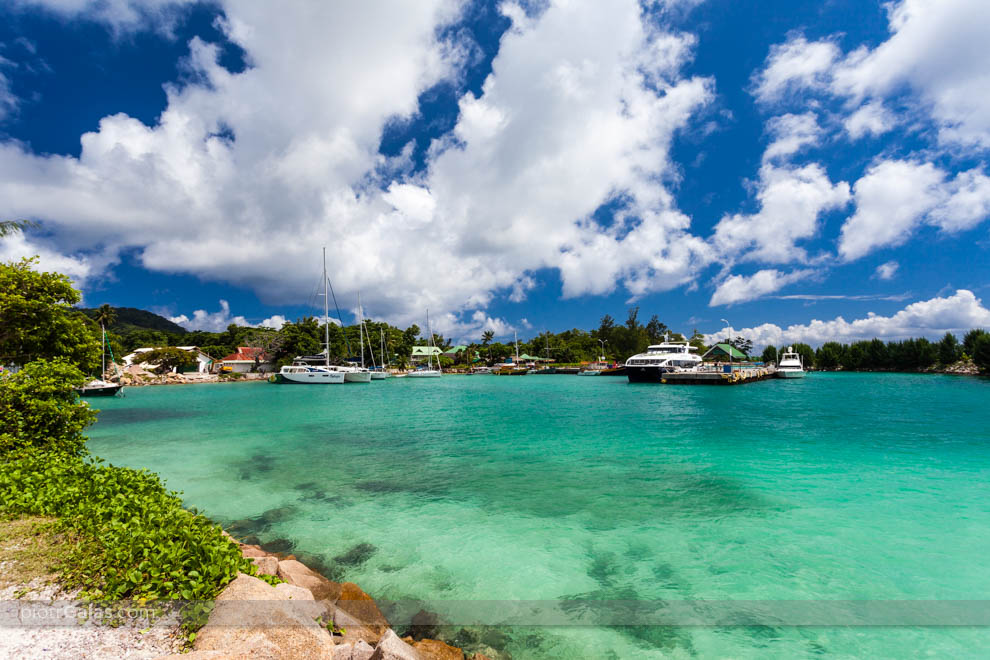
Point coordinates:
[[10, 227], [486, 338], [105, 316]]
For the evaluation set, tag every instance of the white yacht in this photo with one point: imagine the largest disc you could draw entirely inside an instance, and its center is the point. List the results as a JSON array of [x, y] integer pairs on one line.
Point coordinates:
[[790, 365], [301, 373], [307, 375], [659, 359]]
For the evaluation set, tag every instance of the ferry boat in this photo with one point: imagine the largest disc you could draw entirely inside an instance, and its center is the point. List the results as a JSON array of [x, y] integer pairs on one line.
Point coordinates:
[[659, 359], [790, 365]]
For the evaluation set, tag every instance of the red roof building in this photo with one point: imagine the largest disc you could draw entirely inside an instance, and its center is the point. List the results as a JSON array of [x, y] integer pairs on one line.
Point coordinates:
[[246, 359]]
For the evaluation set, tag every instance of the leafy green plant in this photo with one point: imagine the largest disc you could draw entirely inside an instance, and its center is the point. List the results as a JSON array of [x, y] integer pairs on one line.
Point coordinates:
[[37, 319], [140, 543], [38, 408]]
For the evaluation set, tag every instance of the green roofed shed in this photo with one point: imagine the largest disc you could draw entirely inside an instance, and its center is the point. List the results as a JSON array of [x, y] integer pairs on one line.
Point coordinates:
[[425, 351], [724, 352]]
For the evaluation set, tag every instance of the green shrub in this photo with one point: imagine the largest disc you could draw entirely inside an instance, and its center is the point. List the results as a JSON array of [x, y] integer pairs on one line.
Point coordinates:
[[141, 542], [981, 352], [38, 408]]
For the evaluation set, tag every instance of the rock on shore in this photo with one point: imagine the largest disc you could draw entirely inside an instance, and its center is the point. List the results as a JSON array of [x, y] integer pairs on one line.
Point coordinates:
[[253, 619]]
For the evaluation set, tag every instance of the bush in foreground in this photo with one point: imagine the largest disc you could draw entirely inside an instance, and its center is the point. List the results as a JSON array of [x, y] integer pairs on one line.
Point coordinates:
[[38, 408], [140, 542]]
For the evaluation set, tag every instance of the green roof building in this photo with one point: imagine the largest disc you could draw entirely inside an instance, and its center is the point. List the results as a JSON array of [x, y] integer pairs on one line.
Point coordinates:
[[724, 352]]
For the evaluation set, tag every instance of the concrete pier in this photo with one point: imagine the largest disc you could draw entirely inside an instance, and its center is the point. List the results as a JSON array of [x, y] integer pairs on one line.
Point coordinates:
[[735, 377]]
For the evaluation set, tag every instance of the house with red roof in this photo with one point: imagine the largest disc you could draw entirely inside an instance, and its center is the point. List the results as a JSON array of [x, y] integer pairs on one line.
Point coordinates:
[[245, 360]]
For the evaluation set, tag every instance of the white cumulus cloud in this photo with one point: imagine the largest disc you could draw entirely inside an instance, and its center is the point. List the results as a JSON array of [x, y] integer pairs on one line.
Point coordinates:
[[932, 318], [795, 65], [741, 288], [894, 197], [887, 271], [246, 175]]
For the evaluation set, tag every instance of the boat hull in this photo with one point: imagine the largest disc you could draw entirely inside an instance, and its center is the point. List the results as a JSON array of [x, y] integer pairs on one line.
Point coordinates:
[[112, 390], [424, 374], [308, 378], [589, 372], [790, 374], [379, 375], [357, 377], [645, 374], [615, 371]]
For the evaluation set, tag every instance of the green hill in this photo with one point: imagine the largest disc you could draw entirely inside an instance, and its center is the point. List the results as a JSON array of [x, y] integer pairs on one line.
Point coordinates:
[[129, 319]]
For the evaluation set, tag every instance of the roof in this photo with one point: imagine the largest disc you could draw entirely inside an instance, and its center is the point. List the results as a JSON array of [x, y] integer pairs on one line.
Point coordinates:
[[726, 349], [137, 351], [456, 349], [423, 351], [247, 354]]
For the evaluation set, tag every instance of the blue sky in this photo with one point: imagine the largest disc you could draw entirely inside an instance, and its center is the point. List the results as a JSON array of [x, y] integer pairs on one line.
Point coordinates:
[[804, 170]]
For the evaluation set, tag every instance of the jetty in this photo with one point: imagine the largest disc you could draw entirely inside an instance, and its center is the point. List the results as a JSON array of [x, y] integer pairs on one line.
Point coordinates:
[[718, 376]]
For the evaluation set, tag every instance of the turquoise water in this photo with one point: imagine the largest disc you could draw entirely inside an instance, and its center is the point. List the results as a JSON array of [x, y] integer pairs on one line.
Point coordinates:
[[837, 487]]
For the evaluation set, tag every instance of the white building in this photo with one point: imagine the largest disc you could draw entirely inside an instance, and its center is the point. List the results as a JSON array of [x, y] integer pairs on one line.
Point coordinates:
[[203, 361]]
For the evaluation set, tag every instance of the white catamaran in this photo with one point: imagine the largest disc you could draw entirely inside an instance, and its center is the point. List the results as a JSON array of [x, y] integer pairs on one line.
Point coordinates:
[[301, 373]]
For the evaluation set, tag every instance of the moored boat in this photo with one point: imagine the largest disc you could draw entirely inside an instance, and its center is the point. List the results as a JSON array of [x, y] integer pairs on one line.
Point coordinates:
[[99, 387], [659, 359], [301, 372], [429, 372], [791, 365]]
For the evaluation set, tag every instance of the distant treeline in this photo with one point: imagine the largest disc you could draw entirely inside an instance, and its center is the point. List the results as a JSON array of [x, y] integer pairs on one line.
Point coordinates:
[[906, 355], [615, 341]]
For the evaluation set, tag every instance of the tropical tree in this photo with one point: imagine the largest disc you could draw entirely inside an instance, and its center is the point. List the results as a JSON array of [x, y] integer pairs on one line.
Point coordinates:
[[807, 354], [487, 336], [831, 355], [655, 330], [949, 350], [769, 354], [105, 316], [168, 358], [37, 320], [981, 352], [38, 408], [970, 339], [743, 344], [9, 227]]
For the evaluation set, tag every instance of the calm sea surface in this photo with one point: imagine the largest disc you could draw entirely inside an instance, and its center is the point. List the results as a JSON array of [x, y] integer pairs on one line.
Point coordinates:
[[835, 488]]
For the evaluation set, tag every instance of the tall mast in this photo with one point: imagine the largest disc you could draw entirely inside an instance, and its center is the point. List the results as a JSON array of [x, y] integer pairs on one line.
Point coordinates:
[[361, 328], [326, 309], [103, 352], [429, 341], [516, 335], [381, 332]]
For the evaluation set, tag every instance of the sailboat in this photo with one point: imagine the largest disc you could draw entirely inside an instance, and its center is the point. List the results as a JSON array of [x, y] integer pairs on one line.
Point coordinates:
[[301, 373], [98, 386], [513, 369], [429, 372], [378, 372]]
